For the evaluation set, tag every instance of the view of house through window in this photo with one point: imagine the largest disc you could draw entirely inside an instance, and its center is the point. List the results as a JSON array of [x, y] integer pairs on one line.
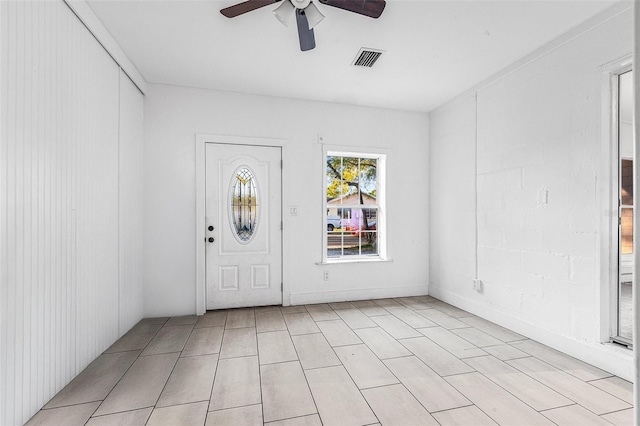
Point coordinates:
[[352, 205], [625, 203]]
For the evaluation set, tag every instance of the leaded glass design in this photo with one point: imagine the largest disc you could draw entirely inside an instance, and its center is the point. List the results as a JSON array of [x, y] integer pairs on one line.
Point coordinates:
[[244, 204]]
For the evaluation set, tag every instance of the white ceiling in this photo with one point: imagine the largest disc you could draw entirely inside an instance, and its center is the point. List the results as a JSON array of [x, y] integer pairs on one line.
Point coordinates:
[[434, 49]]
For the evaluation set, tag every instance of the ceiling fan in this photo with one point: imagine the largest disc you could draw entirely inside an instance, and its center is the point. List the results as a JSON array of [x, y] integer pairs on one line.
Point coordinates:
[[307, 14]]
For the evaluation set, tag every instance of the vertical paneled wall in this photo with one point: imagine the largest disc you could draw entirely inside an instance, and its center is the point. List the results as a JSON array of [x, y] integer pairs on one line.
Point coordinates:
[[61, 203]]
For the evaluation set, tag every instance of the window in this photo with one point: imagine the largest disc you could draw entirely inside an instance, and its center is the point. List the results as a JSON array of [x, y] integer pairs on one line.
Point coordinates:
[[354, 206]]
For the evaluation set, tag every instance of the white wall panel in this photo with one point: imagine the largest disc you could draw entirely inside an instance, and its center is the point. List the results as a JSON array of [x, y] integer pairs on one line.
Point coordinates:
[[59, 195], [96, 133]]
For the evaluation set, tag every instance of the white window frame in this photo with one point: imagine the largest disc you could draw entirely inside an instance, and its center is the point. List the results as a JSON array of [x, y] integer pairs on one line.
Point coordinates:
[[381, 223], [608, 268]]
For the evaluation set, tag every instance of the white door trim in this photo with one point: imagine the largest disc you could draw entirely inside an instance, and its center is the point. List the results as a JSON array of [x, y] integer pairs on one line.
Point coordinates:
[[201, 141], [608, 181]]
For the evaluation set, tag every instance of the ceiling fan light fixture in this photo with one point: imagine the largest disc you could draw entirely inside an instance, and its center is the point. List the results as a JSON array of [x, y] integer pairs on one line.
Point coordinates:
[[284, 12], [314, 16]]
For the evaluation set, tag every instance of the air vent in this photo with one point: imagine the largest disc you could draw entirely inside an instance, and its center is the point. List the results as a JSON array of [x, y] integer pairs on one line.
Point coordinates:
[[367, 57]]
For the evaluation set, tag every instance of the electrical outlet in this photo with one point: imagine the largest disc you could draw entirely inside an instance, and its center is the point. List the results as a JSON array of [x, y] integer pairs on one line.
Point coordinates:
[[477, 285], [326, 275], [543, 197]]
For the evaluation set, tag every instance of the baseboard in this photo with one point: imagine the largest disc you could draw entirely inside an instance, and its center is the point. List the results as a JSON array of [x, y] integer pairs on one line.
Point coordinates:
[[359, 294], [606, 356]]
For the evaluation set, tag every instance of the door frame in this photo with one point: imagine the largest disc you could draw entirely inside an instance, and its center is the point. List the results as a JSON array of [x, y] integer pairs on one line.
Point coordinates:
[[201, 165], [615, 291], [608, 191]]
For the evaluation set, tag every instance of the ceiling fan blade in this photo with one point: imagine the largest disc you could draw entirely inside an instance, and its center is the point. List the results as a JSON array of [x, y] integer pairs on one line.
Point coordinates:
[[370, 8], [305, 34], [246, 6]]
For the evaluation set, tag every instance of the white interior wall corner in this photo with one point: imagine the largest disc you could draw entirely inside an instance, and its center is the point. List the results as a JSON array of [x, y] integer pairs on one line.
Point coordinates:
[[452, 142], [84, 12]]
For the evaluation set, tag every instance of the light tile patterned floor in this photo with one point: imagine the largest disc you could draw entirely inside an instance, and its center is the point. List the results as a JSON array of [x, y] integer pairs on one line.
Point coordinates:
[[405, 361]]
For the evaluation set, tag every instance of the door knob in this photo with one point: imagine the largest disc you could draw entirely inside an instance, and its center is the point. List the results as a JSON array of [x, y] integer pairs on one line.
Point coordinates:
[[210, 228], [211, 239]]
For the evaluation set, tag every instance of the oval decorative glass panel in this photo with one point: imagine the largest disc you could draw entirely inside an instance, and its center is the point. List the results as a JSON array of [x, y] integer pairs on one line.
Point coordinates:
[[244, 204]]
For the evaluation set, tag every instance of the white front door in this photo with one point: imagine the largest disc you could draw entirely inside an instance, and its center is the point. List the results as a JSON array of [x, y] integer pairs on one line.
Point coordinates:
[[243, 221]]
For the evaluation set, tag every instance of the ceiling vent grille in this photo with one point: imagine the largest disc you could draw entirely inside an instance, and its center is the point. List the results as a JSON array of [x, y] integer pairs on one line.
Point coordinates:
[[367, 58]]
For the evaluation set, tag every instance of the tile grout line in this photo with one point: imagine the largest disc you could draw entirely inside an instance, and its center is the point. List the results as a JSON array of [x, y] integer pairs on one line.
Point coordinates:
[[172, 369], [392, 373], [461, 359], [128, 369], [259, 372], [224, 329], [306, 380], [352, 380], [556, 390], [511, 343]]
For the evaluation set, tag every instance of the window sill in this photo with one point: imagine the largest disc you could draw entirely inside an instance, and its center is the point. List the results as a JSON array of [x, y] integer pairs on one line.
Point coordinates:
[[351, 261]]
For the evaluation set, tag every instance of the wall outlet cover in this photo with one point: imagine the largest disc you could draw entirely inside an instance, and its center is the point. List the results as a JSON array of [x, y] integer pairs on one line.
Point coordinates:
[[477, 285]]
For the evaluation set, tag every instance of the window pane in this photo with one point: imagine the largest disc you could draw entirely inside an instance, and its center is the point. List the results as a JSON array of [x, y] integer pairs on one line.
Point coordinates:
[[336, 188], [334, 244], [363, 243], [626, 182], [335, 228], [244, 204], [357, 236], [350, 180], [369, 177], [626, 231]]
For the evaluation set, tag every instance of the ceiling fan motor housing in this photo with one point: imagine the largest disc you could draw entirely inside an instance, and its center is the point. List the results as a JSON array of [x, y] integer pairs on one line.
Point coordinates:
[[300, 4]]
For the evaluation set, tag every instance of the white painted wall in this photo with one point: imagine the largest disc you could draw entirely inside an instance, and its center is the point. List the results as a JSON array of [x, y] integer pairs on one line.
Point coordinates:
[[173, 116], [452, 191], [61, 188], [131, 206], [538, 126]]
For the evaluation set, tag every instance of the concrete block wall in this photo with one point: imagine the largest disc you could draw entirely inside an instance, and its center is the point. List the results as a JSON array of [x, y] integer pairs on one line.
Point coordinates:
[[536, 134]]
